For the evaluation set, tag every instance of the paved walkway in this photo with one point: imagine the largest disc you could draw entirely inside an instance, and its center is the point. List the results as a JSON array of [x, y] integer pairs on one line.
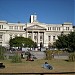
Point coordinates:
[[41, 55], [38, 55]]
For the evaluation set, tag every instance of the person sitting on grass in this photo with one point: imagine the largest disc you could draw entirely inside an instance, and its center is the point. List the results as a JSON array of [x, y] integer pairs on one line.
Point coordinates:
[[47, 66], [1, 65], [29, 57]]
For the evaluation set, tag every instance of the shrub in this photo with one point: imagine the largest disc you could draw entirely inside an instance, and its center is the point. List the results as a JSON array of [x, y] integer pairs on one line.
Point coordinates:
[[72, 57], [1, 57], [2, 51], [49, 54], [16, 58]]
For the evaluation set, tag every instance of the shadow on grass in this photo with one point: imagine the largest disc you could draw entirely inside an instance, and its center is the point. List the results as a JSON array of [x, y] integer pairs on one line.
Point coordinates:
[[67, 60]]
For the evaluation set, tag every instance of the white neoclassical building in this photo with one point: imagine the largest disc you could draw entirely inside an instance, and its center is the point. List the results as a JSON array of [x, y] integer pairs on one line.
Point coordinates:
[[38, 32]]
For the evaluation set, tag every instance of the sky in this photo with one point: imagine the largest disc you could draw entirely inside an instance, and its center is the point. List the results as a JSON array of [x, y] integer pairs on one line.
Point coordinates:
[[47, 11]]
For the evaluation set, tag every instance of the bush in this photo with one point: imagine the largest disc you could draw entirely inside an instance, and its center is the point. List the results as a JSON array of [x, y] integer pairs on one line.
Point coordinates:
[[72, 57], [2, 57], [49, 55], [16, 58], [2, 51]]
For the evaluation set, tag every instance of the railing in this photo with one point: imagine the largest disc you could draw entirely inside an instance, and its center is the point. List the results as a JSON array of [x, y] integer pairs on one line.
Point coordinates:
[[52, 73]]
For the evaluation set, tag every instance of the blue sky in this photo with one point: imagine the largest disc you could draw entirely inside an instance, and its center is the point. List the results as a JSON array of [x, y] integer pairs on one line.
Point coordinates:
[[48, 11]]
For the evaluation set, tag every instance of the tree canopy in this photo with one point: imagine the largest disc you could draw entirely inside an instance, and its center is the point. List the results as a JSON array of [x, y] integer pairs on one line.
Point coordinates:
[[66, 41], [21, 42]]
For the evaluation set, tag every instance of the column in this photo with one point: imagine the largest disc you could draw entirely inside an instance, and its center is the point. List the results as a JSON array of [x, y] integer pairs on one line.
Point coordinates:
[[51, 40], [32, 35], [38, 39], [26, 33], [45, 40]]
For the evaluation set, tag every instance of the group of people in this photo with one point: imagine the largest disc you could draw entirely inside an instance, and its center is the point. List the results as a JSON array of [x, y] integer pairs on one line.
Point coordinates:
[[29, 57], [45, 65]]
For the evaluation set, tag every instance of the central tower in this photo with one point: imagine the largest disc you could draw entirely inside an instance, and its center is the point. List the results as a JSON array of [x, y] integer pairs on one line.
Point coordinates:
[[33, 18]]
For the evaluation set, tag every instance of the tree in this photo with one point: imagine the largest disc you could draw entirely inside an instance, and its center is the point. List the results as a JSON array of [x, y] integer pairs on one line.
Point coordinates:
[[66, 41], [71, 41], [21, 42], [29, 42], [62, 41], [35, 45], [16, 58], [49, 45]]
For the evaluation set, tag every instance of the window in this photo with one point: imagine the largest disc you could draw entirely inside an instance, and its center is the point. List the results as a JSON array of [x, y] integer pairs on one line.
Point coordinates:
[[16, 27], [21, 27], [58, 28], [49, 38], [10, 36], [1, 26], [53, 38], [29, 35], [54, 28], [67, 28], [41, 38], [48, 28], [0, 36], [10, 27], [35, 37]]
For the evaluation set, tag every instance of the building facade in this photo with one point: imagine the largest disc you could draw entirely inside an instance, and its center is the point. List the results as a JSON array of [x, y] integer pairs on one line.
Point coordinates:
[[38, 32]]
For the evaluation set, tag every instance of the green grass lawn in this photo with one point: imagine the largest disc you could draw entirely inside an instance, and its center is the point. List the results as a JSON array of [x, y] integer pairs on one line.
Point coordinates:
[[35, 66]]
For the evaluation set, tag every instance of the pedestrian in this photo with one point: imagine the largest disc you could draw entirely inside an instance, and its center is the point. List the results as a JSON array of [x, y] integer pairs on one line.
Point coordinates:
[[52, 55]]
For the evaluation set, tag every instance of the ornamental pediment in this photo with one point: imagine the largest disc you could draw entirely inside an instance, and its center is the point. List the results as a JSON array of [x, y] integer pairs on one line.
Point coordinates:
[[37, 27]]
